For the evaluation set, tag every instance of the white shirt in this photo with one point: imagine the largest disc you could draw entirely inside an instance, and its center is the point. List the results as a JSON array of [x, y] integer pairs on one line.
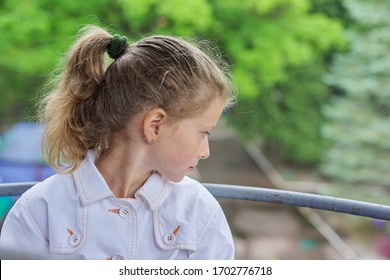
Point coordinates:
[[77, 216]]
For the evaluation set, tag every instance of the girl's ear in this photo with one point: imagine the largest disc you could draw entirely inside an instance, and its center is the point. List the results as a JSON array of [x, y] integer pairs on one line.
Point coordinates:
[[152, 124]]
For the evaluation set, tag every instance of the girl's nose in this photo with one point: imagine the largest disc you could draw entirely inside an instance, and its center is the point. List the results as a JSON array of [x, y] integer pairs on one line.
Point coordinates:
[[205, 150]]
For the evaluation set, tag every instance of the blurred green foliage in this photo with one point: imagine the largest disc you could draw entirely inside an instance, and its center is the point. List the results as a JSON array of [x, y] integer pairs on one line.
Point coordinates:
[[34, 35], [359, 116], [277, 48], [284, 108], [288, 115]]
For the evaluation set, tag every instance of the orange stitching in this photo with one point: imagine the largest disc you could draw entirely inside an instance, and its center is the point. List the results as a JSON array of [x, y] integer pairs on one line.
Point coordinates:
[[25, 204], [176, 230], [84, 229], [116, 211]]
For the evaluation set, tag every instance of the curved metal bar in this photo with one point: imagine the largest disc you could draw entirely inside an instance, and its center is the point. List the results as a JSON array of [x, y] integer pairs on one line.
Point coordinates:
[[15, 189], [281, 197], [341, 205]]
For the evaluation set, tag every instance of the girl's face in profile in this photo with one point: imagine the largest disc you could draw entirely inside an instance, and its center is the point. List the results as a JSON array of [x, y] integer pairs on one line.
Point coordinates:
[[184, 143]]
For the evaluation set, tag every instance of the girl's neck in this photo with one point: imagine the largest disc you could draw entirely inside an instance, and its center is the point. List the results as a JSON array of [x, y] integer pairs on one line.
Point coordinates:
[[122, 168]]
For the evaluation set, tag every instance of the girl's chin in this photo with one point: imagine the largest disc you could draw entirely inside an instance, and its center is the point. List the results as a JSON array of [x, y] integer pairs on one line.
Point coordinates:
[[176, 179], [179, 175]]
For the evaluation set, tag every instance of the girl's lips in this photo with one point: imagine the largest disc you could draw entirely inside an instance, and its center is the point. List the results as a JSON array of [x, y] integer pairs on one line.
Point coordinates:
[[192, 167]]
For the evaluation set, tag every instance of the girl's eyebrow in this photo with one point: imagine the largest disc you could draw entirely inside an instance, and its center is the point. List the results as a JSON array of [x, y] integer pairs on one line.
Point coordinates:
[[211, 126]]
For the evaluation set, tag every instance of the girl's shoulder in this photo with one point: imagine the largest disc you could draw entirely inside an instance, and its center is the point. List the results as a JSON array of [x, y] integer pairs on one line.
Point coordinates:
[[53, 189], [192, 188], [185, 210], [190, 196], [46, 200]]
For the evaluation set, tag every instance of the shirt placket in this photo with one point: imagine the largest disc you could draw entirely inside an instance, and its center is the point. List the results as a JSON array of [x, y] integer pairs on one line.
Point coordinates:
[[128, 215]]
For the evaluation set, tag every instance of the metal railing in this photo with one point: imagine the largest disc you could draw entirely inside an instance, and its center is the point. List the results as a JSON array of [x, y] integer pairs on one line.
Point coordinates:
[[281, 197]]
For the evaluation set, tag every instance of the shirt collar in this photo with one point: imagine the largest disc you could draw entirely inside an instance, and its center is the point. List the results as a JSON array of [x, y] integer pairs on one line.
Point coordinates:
[[153, 190], [89, 182], [92, 186]]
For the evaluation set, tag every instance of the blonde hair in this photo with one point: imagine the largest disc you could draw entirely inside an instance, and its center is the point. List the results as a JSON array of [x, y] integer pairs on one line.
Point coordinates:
[[88, 102]]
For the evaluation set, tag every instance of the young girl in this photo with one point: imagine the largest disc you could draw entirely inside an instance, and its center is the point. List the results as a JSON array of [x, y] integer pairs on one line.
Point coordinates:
[[123, 139]]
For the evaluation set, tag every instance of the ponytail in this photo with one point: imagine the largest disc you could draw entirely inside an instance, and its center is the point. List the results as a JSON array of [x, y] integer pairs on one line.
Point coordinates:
[[67, 111]]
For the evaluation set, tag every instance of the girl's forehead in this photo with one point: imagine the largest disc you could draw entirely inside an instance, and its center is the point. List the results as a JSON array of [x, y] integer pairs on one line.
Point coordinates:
[[211, 114]]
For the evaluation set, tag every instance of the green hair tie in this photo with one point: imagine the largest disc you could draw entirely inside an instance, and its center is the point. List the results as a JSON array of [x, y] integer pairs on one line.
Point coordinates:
[[117, 46]]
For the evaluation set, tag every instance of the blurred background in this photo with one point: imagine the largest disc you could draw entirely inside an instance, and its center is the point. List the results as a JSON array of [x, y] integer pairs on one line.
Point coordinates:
[[313, 113]]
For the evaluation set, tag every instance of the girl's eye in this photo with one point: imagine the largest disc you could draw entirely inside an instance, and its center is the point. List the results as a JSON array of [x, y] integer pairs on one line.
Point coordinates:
[[206, 133]]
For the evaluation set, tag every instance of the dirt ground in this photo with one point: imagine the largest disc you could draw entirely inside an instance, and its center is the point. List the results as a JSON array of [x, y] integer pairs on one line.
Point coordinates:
[[269, 231]]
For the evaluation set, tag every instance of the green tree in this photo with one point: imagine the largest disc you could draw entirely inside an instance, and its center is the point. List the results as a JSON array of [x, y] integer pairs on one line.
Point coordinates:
[[287, 116], [279, 55], [333, 9], [34, 34], [359, 116]]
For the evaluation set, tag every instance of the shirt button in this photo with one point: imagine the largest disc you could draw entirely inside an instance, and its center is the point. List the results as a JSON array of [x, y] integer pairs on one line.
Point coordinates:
[[169, 238], [124, 212], [118, 257], [74, 240]]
